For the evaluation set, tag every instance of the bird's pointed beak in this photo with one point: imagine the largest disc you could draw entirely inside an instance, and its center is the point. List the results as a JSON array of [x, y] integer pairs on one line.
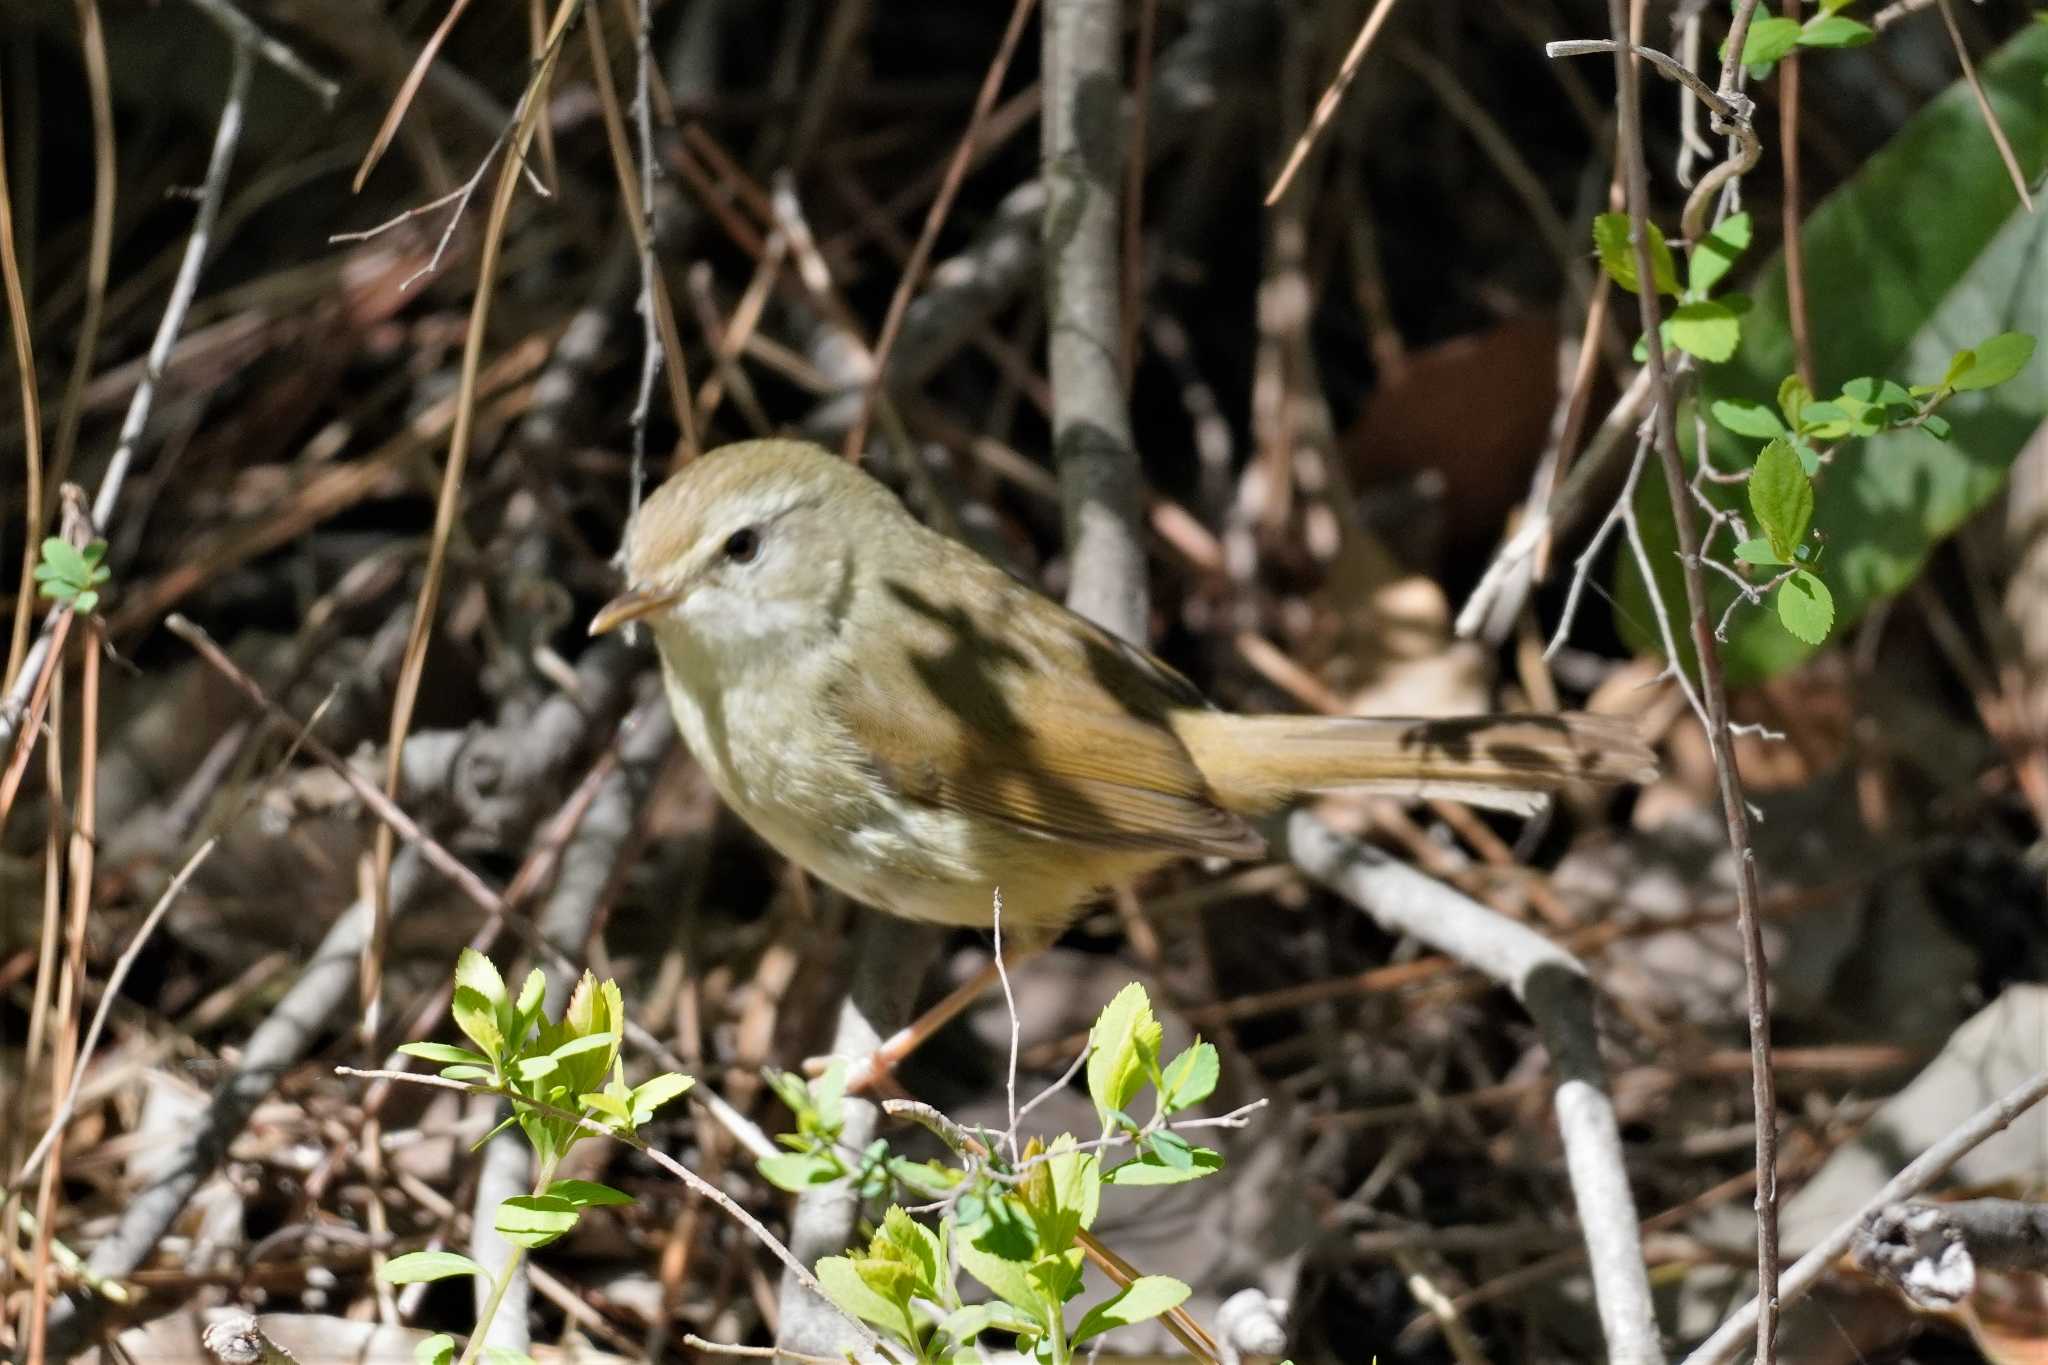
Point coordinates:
[[631, 606]]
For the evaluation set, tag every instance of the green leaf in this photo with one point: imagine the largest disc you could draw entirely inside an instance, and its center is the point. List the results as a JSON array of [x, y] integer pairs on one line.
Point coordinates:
[[1747, 418], [1172, 1150], [920, 1245], [1123, 1050], [1150, 1170], [1618, 254], [1782, 497], [1061, 1191], [1832, 30], [438, 1349], [1805, 606], [530, 994], [963, 1325], [1825, 421], [893, 1279], [536, 1068], [85, 602], [477, 1020], [1707, 328], [534, 1220], [1793, 396], [1189, 1078], [1890, 290], [1769, 40], [474, 970], [1994, 361], [1717, 253], [652, 1093], [609, 1106], [843, 1285], [1007, 1277], [931, 1179], [1145, 1297], [443, 1052], [481, 1075], [505, 1355], [791, 1090], [585, 1194], [827, 1093], [63, 557], [1057, 1278], [1758, 552], [800, 1171], [418, 1267], [589, 1043]]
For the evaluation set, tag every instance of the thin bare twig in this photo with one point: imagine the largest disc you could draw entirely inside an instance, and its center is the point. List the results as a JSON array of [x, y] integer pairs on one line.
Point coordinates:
[[31, 433], [225, 139], [1791, 212], [1016, 1030], [1923, 1171], [1326, 107], [1712, 681], [1997, 129], [934, 219], [92, 42], [377, 802], [249, 38], [413, 665], [407, 88]]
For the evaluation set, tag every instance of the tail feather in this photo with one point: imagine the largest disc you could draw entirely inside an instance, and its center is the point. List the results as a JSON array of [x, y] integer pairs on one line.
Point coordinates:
[[1257, 764]]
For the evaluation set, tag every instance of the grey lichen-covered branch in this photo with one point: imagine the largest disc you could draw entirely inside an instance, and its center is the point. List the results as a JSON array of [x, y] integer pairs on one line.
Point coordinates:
[[1098, 468]]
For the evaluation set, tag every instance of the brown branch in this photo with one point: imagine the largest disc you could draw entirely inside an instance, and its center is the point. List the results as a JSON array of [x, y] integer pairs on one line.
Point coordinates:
[[1713, 687]]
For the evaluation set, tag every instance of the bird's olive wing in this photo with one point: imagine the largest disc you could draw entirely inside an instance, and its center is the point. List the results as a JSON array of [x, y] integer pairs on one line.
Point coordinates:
[[1039, 722]]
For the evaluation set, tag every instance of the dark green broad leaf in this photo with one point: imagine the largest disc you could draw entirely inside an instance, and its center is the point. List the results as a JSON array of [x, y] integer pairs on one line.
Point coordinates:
[[1895, 288]]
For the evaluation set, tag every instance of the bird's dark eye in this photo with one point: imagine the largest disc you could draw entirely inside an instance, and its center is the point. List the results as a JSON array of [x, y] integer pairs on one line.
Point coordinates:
[[743, 545]]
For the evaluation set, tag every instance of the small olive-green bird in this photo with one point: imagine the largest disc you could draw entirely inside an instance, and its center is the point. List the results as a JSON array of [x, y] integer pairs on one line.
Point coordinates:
[[920, 729]]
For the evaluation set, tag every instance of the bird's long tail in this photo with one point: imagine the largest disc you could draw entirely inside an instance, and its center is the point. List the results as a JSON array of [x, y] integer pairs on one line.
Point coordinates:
[[1257, 764]]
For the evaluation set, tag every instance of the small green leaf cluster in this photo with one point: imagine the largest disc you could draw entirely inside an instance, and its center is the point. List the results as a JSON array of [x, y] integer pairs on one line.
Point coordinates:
[[1123, 1058], [1781, 483], [72, 576], [816, 1156], [1771, 39], [570, 1065], [1015, 1226], [1709, 328]]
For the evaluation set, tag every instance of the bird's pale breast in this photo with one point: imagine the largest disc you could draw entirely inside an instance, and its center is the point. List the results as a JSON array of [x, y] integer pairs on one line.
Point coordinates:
[[804, 788]]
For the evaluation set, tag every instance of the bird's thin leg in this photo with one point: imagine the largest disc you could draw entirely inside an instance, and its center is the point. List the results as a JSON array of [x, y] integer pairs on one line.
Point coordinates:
[[884, 1060]]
